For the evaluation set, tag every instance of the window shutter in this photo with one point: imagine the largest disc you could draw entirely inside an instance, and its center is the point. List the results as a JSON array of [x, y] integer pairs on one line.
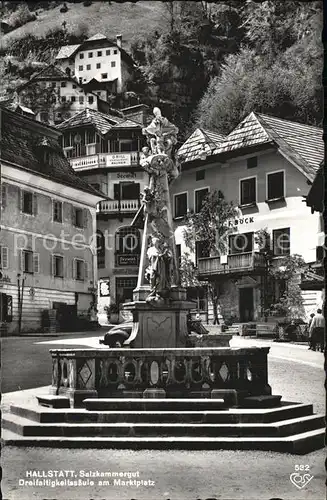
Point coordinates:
[[73, 215], [34, 204], [4, 257], [85, 218], [20, 199], [53, 266], [3, 195], [53, 210], [36, 262], [21, 260], [74, 269], [86, 271]]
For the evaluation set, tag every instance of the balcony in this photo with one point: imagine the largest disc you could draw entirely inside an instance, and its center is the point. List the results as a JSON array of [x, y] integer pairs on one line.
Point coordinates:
[[118, 206], [105, 160], [242, 262]]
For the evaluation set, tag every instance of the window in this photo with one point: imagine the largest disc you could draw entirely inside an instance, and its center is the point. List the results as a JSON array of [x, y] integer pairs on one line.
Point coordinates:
[[73, 98], [90, 54], [57, 211], [63, 84], [80, 270], [252, 162], [115, 51], [199, 296], [201, 250], [275, 185], [78, 217], [81, 99], [27, 202], [241, 243], [113, 64], [63, 99], [98, 65], [180, 204], [281, 241], [3, 195], [88, 67], [90, 137], [248, 191], [4, 257], [81, 56], [99, 53], [128, 240], [108, 52], [101, 249], [91, 99], [104, 75], [74, 86], [58, 266], [200, 175], [200, 195], [80, 68], [29, 261]]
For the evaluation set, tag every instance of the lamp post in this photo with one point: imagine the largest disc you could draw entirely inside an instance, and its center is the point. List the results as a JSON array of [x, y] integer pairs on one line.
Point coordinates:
[[20, 289]]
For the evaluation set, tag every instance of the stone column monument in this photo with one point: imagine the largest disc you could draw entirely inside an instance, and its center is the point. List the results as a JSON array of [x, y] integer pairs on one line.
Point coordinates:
[[159, 304]]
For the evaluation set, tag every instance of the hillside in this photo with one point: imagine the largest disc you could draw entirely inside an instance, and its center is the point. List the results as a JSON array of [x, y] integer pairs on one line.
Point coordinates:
[[129, 19]]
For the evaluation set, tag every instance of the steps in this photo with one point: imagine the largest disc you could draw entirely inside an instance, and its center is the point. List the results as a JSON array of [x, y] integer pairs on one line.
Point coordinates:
[[166, 423]]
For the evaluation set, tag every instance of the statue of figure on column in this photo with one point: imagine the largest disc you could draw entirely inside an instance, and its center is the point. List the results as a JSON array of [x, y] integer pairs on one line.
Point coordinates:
[[157, 160]]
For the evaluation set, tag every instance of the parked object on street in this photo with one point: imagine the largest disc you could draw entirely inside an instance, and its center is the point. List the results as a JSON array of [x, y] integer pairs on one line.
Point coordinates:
[[291, 330], [117, 336]]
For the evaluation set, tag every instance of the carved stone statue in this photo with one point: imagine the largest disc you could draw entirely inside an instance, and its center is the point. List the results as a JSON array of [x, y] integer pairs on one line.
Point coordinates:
[[161, 134], [157, 160], [159, 270]]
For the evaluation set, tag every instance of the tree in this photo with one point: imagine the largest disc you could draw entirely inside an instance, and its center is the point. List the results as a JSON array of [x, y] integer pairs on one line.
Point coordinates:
[[289, 271], [210, 226], [277, 71]]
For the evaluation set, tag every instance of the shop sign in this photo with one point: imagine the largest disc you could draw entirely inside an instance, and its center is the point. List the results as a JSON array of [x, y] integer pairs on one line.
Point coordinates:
[[238, 222], [127, 260], [126, 175], [118, 160]]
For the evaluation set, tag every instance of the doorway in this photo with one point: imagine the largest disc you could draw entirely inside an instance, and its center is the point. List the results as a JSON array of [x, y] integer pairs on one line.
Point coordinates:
[[246, 304]]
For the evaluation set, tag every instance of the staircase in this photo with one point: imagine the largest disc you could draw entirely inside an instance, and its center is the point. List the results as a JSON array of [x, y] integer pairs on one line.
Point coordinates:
[[262, 423]]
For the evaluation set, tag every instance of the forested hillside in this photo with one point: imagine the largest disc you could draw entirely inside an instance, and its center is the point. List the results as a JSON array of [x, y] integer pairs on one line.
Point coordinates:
[[206, 63]]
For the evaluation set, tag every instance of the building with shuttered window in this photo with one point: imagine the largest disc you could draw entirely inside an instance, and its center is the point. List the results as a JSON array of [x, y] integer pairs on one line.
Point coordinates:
[[266, 166], [48, 227]]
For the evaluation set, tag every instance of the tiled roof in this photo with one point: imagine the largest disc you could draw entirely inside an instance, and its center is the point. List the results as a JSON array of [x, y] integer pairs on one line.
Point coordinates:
[[300, 144], [67, 51], [200, 141], [101, 121], [304, 141], [50, 71], [20, 144], [97, 36]]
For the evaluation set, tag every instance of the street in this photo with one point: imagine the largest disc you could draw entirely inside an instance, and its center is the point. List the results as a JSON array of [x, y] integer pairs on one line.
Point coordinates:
[[294, 372]]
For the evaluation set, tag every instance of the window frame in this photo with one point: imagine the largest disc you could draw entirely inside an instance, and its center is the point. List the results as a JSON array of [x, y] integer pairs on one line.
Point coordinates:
[[81, 56], [23, 192], [113, 64], [90, 55], [187, 205], [242, 251], [83, 263], [252, 203], [54, 202], [99, 53], [54, 257], [88, 67], [98, 65], [80, 67], [283, 254], [104, 75], [201, 171], [81, 210], [194, 196], [283, 171]]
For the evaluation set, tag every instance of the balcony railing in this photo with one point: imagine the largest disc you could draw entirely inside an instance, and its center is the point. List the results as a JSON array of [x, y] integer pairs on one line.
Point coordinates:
[[239, 262], [102, 160], [123, 206]]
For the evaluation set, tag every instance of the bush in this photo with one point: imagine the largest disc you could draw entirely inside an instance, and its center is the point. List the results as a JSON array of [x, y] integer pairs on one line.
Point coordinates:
[[21, 16]]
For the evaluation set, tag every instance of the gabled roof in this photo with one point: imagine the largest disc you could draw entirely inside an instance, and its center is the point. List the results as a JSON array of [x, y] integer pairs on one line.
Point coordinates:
[[302, 145], [200, 141], [50, 71], [20, 145], [67, 51], [97, 36], [101, 121]]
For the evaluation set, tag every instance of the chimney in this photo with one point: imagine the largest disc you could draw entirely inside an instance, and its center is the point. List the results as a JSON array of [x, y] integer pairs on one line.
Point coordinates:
[[119, 41]]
